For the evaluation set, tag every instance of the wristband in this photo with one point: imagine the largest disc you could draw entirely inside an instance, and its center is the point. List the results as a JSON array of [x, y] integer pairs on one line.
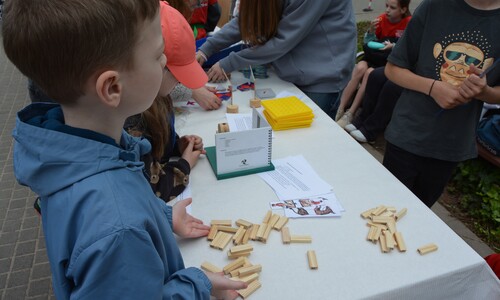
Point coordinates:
[[430, 90], [202, 55]]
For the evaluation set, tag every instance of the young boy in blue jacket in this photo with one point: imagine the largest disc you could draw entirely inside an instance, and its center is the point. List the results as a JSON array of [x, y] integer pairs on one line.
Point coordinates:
[[108, 236]]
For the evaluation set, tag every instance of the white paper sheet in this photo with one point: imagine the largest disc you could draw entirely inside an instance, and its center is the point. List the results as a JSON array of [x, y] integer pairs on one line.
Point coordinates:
[[294, 178]]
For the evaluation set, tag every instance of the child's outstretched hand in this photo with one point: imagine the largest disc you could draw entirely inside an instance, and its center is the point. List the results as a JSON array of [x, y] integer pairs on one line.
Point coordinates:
[[473, 86], [206, 98], [216, 73], [223, 287], [185, 225]]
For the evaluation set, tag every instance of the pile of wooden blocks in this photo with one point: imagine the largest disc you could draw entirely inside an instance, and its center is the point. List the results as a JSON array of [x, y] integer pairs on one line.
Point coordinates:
[[382, 223], [222, 233]]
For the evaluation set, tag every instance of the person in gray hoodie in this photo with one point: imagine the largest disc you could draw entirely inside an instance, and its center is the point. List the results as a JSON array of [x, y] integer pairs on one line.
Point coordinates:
[[309, 43]]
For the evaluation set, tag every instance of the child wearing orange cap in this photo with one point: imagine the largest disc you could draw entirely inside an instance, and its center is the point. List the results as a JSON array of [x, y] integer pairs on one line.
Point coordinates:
[[169, 178]]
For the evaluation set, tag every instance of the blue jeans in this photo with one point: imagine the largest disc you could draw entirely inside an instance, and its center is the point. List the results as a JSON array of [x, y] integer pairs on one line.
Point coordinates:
[[328, 102]]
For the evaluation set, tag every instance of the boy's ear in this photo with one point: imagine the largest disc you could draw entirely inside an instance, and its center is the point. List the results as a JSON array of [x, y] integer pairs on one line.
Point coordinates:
[[109, 88]]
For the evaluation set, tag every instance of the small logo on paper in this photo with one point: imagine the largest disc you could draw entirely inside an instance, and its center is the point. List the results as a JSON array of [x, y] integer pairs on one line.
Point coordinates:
[[244, 162]]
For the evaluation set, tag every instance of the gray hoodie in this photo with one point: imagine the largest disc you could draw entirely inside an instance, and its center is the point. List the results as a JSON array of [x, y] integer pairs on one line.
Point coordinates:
[[314, 48]]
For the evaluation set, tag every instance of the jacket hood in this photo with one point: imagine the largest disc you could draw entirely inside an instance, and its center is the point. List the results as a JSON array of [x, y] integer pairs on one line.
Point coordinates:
[[50, 156]]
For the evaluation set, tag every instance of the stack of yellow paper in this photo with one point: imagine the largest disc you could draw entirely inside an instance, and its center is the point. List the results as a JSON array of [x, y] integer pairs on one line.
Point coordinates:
[[287, 113]]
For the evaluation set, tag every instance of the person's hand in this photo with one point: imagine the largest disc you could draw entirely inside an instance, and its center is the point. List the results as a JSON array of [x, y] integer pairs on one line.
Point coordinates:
[[206, 98], [473, 86], [190, 153], [198, 143], [201, 58], [388, 45], [185, 225], [223, 287], [216, 73], [373, 25], [447, 95]]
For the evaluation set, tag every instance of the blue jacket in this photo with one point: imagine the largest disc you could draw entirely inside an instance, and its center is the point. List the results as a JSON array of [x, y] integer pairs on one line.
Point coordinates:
[[107, 235], [314, 48]]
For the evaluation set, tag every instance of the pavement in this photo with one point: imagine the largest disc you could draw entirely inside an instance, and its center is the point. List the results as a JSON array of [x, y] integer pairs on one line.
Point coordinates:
[[24, 267]]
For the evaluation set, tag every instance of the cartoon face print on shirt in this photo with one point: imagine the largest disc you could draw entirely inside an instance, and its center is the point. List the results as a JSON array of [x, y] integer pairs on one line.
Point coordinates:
[[457, 52]]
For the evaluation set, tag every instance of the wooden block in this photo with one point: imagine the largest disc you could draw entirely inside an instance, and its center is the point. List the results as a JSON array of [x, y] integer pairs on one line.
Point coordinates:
[[222, 127], [371, 233], [382, 226], [273, 220], [253, 234], [389, 239], [221, 240], [246, 237], [391, 209], [239, 254], [234, 265], [300, 239], [212, 233], [241, 248], [383, 244], [267, 217], [232, 109], [245, 271], [247, 279], [266, 234], [262, 231], [281, 222], [255, 103], [367, 213], [376, 235], [427, 249], [244, 223], [285, 235], [227, 229], [400, 241], [400, 214], [210, 267], [383, 220], [221, 222], [311, 258], [238, 236], [380, 209], [391, 225], [252, 287], [387, 214]]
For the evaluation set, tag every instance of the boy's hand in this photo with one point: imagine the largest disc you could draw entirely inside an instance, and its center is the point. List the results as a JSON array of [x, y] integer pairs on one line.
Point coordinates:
[[223, 287], [185, 225], [206, 98], [446, 95], [473, 86], [216, 74]]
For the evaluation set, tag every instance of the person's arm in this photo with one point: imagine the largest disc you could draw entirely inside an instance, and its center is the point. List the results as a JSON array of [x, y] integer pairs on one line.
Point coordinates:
[[126, 265], [446, 95], [213, 16], [298, 19]]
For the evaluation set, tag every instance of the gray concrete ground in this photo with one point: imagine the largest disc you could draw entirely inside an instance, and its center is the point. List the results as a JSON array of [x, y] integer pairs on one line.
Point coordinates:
[[24, 268]]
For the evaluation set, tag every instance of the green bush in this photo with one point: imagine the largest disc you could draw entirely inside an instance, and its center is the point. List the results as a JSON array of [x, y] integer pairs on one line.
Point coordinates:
[[478, 185], [362, 28]]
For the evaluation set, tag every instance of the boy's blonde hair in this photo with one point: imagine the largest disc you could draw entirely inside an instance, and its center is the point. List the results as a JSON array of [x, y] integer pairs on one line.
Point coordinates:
[[61, 43]]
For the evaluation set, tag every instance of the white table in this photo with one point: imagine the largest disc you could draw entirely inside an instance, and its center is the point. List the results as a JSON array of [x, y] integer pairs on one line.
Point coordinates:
[[350, 267]]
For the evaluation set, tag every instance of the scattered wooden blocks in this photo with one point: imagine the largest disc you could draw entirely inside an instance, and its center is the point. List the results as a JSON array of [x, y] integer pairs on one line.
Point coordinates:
[[311, 258], [252, 287], [234, 265], [427, 249], [210, 267], [221, 240], [383, 227]]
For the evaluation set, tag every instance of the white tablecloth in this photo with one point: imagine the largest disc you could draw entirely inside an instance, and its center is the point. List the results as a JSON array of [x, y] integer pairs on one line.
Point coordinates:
[[350, 267]]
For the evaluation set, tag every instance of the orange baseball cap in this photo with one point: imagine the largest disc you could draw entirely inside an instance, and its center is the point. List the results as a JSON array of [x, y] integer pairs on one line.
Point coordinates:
[[180, 48]]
